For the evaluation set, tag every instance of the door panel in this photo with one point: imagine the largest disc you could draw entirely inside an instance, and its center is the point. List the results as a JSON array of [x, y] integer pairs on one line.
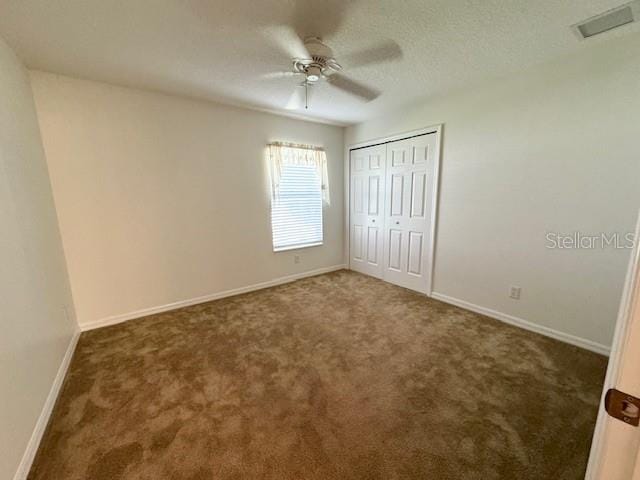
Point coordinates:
[[415, 253], [366, 209], [418, 198], [420, 154], [358, 195], [357, 242], [373, 237], [399, 155], [408, 209], [375, 161], [374, 195], [395, 250], [397, 194]]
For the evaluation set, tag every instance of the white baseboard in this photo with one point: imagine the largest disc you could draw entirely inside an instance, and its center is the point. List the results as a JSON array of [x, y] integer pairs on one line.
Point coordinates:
[[206, 298], [519, 322], [47, 409]]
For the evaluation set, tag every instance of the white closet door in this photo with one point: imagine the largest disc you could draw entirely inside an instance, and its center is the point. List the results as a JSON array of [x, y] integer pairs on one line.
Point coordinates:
[[410, 186], [366, 209]]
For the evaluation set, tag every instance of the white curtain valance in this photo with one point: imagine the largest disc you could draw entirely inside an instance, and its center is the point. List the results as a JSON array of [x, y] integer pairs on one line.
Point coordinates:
[[291, 154]]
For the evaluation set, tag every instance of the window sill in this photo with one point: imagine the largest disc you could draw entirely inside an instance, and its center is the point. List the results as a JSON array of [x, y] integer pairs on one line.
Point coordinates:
[[297, 247]]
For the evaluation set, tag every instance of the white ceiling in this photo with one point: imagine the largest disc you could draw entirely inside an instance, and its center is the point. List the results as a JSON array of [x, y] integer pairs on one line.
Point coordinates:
[[217, 49]]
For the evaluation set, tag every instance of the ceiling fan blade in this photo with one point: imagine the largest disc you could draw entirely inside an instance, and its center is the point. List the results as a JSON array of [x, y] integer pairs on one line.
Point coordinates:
[[287, 40], [387, 51], [352, 87], [277, 75]]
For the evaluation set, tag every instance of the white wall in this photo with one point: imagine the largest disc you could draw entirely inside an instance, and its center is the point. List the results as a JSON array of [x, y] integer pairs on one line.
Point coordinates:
[[554, 148], [34, 288], [163, 199]]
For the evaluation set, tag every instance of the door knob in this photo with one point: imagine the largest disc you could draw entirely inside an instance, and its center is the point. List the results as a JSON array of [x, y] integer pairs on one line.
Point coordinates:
[[374, 220], [397, 223]]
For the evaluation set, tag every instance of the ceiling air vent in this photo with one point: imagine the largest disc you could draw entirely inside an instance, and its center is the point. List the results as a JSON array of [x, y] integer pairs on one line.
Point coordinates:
[[617, 17]]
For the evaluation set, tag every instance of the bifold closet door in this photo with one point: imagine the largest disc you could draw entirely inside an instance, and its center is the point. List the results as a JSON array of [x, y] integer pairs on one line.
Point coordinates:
[[366, 209], [408, 208]]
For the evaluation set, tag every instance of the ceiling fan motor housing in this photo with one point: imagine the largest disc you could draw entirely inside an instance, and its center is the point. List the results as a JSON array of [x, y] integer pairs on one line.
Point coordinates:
[[321, 62]]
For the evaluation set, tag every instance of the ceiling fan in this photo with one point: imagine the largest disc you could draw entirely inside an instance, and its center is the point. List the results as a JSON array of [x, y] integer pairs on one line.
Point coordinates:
[[314, 62]]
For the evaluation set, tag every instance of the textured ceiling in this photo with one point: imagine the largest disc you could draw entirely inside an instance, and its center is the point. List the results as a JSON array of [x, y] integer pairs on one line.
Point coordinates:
[[221, 50]]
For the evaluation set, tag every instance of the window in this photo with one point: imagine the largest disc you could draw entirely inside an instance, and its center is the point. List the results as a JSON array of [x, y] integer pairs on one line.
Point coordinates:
[[299, 188], [296, 213]]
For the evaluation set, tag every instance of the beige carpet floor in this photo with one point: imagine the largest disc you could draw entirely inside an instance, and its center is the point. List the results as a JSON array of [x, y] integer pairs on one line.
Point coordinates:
[[339, 376]]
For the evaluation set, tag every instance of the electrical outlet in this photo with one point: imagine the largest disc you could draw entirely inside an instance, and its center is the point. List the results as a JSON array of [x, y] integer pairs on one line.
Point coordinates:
[[514, 292], [296, 259]]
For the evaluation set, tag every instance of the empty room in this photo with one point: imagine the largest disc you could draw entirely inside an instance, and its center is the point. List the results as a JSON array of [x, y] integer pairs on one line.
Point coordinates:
[[319, 240]]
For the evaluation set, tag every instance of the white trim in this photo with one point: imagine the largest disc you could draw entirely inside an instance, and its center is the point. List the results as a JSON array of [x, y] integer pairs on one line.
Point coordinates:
[[434, 210], [525, 324], [434, 129], [398, 136], [47, 409], [206, 298]]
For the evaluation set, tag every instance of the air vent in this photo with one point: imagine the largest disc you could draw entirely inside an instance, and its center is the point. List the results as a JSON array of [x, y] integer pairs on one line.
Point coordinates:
[[622, 15]]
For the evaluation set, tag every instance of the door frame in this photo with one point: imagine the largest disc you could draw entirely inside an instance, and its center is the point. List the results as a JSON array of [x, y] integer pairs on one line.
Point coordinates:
[[434, 129], [624, 323]]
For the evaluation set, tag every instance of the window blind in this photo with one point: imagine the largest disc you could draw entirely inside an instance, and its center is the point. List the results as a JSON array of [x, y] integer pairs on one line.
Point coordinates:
[[296, 210]]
